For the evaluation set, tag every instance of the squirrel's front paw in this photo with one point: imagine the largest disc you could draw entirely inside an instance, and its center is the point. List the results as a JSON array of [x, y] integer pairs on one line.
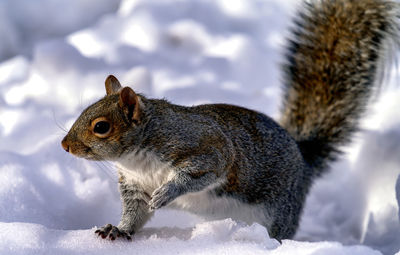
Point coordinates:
[[162, 196], [112, 232]]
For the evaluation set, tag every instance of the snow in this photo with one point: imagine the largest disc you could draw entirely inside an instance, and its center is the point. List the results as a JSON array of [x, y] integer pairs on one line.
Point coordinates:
[[55, 58], [398, 192], [220, 237]]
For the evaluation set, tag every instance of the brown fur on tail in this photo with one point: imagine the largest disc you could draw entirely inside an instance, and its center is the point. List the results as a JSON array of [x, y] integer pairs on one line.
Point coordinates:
[[334, 60]]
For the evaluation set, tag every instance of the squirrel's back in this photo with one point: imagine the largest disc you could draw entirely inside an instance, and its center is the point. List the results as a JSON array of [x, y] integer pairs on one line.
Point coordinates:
[[334, 60]]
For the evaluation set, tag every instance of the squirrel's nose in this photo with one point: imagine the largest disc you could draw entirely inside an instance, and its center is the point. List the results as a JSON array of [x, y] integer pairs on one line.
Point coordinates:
[[65, 145]]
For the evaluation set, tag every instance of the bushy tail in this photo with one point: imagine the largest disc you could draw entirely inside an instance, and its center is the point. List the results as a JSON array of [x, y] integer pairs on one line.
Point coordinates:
[[335, 60]]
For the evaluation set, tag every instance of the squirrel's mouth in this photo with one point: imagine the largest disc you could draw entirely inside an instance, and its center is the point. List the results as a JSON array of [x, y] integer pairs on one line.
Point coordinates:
[[86, 153], [79, 149]]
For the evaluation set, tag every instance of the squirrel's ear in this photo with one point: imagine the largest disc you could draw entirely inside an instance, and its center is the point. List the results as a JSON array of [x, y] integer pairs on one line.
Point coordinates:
[[129, 101], [112, 85]]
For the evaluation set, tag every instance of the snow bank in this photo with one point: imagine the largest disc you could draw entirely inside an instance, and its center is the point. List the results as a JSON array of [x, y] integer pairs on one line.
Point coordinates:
[[218, 237], [398, 193], [203, 51], [23, 23]]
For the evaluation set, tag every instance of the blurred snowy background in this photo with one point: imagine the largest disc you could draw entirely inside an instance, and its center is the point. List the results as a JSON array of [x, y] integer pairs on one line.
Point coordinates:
[[54, 58]]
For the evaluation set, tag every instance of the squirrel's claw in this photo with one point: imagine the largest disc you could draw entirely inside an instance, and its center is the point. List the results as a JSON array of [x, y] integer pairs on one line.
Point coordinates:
[[112, 232], [162, 196]]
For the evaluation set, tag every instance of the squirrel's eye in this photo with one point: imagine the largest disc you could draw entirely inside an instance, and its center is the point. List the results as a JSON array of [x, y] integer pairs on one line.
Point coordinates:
[[101, 127]]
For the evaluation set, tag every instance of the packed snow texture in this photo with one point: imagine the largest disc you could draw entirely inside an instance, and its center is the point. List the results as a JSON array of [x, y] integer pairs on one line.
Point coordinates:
[[55, 56]]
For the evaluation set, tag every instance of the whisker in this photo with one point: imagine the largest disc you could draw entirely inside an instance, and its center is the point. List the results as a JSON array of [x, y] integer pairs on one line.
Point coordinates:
[[57, 123], [106, 169]]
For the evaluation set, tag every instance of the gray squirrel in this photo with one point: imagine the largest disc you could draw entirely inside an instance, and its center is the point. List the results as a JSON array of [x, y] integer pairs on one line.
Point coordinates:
[[224, 161]]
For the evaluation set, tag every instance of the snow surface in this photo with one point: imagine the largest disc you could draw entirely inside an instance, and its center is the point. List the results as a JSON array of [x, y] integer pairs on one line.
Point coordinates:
[[55, 56]]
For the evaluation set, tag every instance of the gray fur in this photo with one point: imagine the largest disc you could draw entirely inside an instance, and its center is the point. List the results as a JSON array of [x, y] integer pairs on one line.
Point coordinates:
[[238, 157]]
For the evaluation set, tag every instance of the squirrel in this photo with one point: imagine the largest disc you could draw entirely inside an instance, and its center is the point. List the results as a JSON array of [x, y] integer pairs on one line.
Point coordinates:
[[220, 160]]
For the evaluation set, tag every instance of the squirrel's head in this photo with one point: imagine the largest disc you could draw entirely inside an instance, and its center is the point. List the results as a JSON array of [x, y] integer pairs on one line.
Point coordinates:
[[104, 129]]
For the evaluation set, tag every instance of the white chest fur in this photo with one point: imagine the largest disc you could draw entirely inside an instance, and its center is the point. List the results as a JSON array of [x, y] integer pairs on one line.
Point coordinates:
[[145, 169]]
